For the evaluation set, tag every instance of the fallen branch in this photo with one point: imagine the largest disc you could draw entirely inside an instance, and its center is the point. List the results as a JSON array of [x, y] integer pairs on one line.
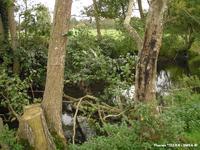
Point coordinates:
[[76, 113]]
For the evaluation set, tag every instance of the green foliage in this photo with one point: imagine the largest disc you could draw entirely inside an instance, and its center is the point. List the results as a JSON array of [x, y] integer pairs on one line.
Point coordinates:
[[186, 102], [109, 8], [8, 137], [138, 134], [33, 63], [89, 61], [13, 92], [37, 21]]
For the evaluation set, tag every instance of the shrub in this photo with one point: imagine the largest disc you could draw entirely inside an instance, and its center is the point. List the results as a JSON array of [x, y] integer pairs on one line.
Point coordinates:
[[13, 92]]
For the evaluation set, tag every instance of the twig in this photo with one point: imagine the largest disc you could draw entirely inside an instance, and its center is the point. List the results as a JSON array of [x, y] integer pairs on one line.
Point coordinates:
[[31, 86], [108, 116]]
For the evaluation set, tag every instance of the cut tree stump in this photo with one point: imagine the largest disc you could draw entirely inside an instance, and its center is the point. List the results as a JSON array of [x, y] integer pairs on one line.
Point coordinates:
[[33, 128]]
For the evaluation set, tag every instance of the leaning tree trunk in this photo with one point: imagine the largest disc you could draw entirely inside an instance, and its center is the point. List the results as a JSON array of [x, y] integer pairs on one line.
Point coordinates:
[[145, 82], [13, 33], [132, 31], [52, 100]]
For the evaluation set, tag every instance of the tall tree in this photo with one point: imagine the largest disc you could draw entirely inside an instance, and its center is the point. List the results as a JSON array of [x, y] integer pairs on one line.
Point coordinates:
[[146, 69], [52, 100], [13, 33]]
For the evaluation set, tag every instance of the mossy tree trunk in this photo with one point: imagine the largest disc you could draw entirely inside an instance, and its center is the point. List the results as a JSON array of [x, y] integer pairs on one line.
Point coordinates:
[[52, 100]]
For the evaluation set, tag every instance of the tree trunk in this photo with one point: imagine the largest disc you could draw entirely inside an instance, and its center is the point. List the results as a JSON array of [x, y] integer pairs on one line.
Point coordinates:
[[129, 28], [97, 19], [1, 30], [13, 33], [145, 82], [140, 9], [33, 128], [52, 100]]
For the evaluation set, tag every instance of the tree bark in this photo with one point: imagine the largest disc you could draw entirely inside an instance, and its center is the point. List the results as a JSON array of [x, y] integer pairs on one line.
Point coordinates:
[[1, 30], [140, 9], [33, 128], [145, 80], [52, 99], [97, 19], [130, 29], [13, 33]]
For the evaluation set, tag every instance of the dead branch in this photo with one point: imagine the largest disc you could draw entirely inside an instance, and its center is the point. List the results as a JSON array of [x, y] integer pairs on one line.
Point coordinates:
[[74, 123]]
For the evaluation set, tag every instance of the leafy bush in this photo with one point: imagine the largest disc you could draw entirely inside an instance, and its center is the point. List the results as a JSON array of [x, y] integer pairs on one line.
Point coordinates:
[[87, 62], [13, 92]]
